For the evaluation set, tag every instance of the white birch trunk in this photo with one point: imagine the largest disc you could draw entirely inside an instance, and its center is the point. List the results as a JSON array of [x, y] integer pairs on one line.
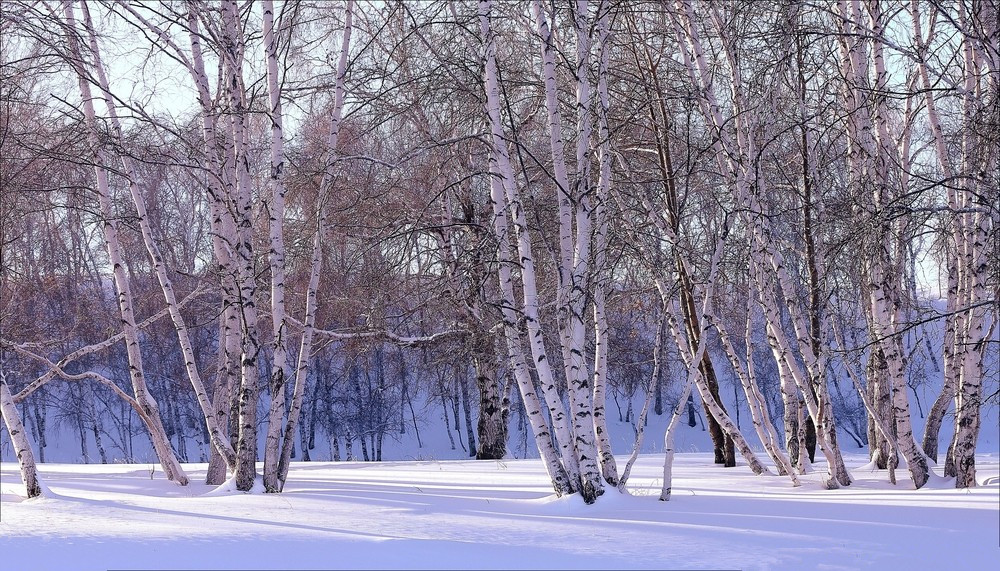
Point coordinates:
[[793, 376], [161, 444], [691, 378], [239, 195], [653, 377], [276, 256], [669, 436], [562, 483], [601, 334], [873, 412], [153, 251], [728, 426], [876, 158], [540, 358], [766, 253], [219, 177], [309, 325], [954, 342], [19, 439], [574, 321], [976, 223], [501, 193], [755, 401]]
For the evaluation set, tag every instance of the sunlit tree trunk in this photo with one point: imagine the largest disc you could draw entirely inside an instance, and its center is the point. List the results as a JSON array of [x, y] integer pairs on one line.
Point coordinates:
[[872, 157], [244, 251], [755, 401], [976, 223]]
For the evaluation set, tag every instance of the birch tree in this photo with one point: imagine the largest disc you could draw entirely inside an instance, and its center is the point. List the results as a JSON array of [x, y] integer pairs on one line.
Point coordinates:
[[149, 407]]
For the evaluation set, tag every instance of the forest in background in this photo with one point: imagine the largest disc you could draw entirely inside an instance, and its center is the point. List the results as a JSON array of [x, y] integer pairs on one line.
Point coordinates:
[[243, 222]]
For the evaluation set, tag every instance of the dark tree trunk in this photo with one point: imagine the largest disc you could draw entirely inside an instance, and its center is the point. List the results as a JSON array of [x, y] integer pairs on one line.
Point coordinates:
[[494, 408], [467, 411], [881, 397]]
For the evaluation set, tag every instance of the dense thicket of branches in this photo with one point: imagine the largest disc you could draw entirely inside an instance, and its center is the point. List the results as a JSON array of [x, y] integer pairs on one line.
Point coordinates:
[[244, 222]]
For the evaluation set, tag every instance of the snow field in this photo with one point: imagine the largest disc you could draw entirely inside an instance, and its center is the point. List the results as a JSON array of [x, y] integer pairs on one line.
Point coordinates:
[[496, 515]]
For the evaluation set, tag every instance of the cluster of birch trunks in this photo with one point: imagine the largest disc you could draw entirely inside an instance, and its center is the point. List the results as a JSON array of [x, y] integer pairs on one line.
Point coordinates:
[[500, 180]]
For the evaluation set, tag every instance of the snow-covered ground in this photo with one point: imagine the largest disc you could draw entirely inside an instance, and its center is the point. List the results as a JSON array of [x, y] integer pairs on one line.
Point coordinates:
[[489, 514]]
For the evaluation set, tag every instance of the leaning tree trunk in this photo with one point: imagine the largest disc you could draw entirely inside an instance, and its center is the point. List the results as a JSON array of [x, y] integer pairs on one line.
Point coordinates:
[[305, 347], [711, 405], [880, 450], [562, 483], [755, 400], [505, 200], [951, 368], [722, 445], [19, 438], [641, 424], [562, 476], [884, 271], [225, 380], [216, 435], [667, 486], [765, 256], [150, 413]]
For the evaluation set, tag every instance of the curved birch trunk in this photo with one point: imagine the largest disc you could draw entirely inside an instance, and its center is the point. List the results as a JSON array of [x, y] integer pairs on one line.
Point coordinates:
[[950, 369], [739, 442], [150, 413], [503, 196], [156, 259], [220, 176], [668, 438], [562, 483], [792, 377], [872, 165], [641, 424], [957, 327], [693, 371], [755, 401], [609, 468], [764, 253], [876, 416]]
